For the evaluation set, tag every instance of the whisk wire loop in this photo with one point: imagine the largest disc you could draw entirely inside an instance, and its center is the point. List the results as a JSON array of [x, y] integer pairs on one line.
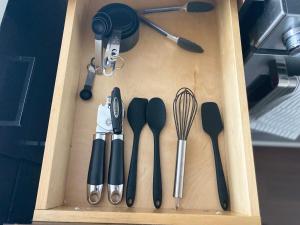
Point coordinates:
[[184, 110]]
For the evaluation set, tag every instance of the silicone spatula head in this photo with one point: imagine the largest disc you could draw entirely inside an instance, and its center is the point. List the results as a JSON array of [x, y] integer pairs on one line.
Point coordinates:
[[211, 119], [156, 115], [136, 114]]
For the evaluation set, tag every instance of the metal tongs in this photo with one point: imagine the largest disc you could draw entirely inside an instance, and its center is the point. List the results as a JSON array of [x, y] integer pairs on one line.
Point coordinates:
[[190, 6], [109, 121]]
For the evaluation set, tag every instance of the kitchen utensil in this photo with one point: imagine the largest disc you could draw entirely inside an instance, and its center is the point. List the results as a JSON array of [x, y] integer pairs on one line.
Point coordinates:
[[118, 26], [86, 92], [124, 19], [156, 118], [116, 163], [181, 42], [184, 109], [101, 26], [190, 6], [95, 179], [137, 119], [109, 121], [112, 53], [212, 125]]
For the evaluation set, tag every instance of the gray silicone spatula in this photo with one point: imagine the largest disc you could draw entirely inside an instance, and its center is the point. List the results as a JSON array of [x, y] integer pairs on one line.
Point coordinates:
[[213, 126]]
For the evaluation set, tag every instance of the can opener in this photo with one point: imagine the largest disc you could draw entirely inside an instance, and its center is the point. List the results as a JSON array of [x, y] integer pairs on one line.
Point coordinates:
[[109, 121]]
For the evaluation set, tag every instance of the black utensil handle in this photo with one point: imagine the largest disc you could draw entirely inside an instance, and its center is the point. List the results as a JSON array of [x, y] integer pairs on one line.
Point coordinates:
[[86, 92], [116, 163], [157, 184], [116, 110], [131, 181], [199, 6], [97, 162], [189, 45], [221, 182]]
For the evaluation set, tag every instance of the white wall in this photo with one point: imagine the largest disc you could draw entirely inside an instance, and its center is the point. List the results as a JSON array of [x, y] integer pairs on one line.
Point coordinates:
[[3, 4]]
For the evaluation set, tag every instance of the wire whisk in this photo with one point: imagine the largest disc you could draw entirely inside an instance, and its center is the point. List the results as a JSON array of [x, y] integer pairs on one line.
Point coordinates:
[[184, 110]]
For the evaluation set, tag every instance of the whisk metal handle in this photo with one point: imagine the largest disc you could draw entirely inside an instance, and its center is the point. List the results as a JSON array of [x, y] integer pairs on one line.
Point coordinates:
[[179, 172]]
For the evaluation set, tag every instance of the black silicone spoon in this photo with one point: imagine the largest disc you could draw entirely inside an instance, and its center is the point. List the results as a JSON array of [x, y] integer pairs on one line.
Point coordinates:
[[156, 118], [213, 126], [136, 115]]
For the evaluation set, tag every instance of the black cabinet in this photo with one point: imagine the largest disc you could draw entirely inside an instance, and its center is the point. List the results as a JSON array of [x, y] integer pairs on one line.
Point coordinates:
[[30, 39]]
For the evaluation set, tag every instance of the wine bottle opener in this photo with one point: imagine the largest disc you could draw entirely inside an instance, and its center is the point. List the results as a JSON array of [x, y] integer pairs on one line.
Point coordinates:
[[109, 121]]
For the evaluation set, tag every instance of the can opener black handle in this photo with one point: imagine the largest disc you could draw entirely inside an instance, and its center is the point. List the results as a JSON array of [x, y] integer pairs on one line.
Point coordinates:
[[116, 163], [96, 173], [109, 121]]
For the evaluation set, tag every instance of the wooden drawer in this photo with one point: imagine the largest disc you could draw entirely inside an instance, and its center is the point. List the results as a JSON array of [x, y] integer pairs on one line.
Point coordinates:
[[155, 67]]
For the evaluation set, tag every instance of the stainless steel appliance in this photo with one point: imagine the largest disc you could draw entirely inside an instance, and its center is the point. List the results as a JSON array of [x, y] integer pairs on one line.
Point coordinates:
[[278, 27], [274, 35]]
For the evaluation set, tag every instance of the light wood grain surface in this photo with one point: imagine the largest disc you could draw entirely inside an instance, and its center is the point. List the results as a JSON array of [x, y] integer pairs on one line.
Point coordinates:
[[133, 216], [156, 67], [56, 154]]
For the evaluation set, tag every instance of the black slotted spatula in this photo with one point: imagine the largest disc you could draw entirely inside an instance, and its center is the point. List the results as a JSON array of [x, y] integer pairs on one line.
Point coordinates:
[[213, 126]]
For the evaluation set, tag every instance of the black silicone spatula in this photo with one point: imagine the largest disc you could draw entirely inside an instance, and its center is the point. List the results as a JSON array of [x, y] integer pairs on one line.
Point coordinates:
[[156, 118], [213, 126], [136, 115]]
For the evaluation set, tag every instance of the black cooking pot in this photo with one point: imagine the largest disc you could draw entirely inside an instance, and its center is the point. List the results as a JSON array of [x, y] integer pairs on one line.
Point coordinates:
[[124, 19]]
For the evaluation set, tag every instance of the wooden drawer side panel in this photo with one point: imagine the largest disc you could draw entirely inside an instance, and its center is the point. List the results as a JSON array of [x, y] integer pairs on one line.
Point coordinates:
[[242, 181], [54, 168]]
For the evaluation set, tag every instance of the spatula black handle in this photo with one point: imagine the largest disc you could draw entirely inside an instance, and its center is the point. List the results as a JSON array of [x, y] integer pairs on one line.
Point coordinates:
[[157, 184], [131, 182], [221, 182]]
